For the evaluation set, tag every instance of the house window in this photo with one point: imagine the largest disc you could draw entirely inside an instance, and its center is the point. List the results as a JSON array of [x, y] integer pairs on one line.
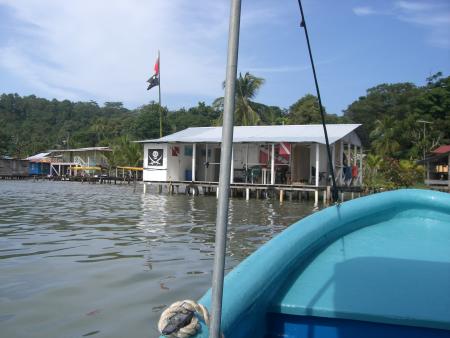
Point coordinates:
[[187, 150]]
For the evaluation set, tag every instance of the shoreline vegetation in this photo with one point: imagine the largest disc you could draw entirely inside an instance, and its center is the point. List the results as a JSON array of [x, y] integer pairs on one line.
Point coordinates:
[[393, 130]]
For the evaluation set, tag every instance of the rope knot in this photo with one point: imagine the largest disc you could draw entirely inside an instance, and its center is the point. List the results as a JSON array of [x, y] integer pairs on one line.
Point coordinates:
[[181, 319]]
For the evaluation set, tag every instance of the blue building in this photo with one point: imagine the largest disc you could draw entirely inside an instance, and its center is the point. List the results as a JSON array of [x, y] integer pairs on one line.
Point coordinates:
[[39, 164]]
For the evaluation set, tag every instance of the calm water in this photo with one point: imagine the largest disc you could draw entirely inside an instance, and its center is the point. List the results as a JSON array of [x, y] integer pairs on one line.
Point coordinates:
[[82, 260]]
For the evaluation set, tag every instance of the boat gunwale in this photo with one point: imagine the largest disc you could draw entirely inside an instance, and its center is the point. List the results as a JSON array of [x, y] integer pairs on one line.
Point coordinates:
[[250, 286]]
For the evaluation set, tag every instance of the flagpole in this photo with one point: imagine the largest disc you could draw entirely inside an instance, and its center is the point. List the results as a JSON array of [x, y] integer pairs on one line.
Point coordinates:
[[159, 89]]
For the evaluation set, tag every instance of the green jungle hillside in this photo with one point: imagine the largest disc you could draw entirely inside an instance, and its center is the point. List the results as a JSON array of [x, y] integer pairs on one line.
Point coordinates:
[[390, 114]]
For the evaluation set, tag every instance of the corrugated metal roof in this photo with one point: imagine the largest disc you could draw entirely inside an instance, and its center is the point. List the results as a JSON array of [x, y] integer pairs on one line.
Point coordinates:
[[242, 134], [442, 149], [80, 149], [37, 157]]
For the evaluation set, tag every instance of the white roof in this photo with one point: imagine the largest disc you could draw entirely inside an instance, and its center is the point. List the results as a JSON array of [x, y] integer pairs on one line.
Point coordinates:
[[80, 149], [37, 157], [245, 134]]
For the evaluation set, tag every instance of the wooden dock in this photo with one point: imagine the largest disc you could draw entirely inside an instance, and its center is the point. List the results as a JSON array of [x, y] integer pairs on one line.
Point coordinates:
[[249, 190]]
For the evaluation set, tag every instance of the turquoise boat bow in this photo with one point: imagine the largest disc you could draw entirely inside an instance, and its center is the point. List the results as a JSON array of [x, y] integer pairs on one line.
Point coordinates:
[[377, 266]]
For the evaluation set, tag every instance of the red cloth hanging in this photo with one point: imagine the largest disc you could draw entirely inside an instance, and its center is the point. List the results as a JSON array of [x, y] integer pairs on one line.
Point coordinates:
[[263, 156], [354, 171]]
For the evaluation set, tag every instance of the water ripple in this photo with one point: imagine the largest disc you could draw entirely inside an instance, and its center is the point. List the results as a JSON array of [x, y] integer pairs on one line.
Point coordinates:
[[70, 249]]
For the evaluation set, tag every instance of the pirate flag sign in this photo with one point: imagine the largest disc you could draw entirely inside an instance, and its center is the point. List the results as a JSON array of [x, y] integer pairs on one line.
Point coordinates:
[[155, 157], [154, 80]]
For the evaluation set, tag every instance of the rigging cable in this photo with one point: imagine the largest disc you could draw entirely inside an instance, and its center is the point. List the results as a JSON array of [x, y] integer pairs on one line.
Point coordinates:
[[334, 191]]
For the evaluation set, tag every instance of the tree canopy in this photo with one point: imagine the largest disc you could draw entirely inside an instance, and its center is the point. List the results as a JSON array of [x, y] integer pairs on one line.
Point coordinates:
[[390, 115]]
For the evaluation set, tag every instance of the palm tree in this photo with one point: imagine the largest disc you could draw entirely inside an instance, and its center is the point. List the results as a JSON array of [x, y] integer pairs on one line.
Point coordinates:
[[384, 137], [124, 153], [247, 87], [130, 152], [372, 164]]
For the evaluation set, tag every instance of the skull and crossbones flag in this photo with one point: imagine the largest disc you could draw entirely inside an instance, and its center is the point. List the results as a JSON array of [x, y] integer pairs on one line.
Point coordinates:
[[154, 80], [155, 157]]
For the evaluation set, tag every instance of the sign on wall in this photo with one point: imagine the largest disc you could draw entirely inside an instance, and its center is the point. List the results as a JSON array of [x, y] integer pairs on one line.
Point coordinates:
[[175, 150], [155, 157]]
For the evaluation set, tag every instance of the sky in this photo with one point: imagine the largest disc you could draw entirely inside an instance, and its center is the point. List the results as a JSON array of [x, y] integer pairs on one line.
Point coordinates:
[[104, 50]]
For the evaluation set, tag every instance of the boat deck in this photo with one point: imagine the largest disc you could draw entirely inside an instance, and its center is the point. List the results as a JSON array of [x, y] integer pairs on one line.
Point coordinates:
[[391, 273]]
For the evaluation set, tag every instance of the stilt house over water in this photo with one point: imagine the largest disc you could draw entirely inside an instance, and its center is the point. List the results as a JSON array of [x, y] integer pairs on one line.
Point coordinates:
[[437, 166], [62, 162], [267, 155], [13, 167]]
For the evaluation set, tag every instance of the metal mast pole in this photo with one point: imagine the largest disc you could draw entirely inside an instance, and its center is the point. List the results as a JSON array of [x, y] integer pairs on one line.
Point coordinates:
[[225, 168], [322, 113], [159, 89]]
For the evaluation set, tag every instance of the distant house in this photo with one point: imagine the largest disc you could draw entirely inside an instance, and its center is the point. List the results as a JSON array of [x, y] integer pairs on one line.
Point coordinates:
[[437, 167], [268, 155], [13, 167], [60, 162], [39, 164]]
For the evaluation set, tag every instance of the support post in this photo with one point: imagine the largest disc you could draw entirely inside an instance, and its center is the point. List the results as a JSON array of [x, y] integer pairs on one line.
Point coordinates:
[[206, 162], [349, 155], [341, 160], [360, 165], [225, 166], [246, 164], [194, 158], [333, 156], [272, 166], [247, 193], [232, 165], [281, 195], [316, 193]]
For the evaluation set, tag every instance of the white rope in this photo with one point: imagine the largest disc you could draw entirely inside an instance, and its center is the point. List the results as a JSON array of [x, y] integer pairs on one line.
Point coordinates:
[[182, 307]]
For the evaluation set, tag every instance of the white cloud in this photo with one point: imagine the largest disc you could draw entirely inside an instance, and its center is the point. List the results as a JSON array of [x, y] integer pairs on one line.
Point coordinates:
[[435, 16], [364, 10], [106, 49], [415, 6], [432, 15]]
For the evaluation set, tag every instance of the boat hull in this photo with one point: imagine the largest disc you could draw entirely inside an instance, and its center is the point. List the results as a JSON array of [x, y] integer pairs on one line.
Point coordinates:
[[309, 280]]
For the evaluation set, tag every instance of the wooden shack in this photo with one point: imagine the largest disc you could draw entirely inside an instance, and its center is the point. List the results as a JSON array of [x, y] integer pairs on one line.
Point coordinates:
[[13, 168]]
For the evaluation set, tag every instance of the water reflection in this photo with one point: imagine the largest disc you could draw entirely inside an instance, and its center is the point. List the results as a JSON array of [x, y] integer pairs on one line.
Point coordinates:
[[75, 257]]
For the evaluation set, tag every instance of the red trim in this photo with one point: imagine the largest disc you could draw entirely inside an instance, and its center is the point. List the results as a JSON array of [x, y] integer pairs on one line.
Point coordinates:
[[442, 149]]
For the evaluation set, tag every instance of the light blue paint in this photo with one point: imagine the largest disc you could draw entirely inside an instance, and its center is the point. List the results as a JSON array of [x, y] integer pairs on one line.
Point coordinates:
[[321, 266]]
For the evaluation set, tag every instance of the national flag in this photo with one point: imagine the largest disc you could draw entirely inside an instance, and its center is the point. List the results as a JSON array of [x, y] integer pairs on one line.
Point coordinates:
[[154, 80]]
